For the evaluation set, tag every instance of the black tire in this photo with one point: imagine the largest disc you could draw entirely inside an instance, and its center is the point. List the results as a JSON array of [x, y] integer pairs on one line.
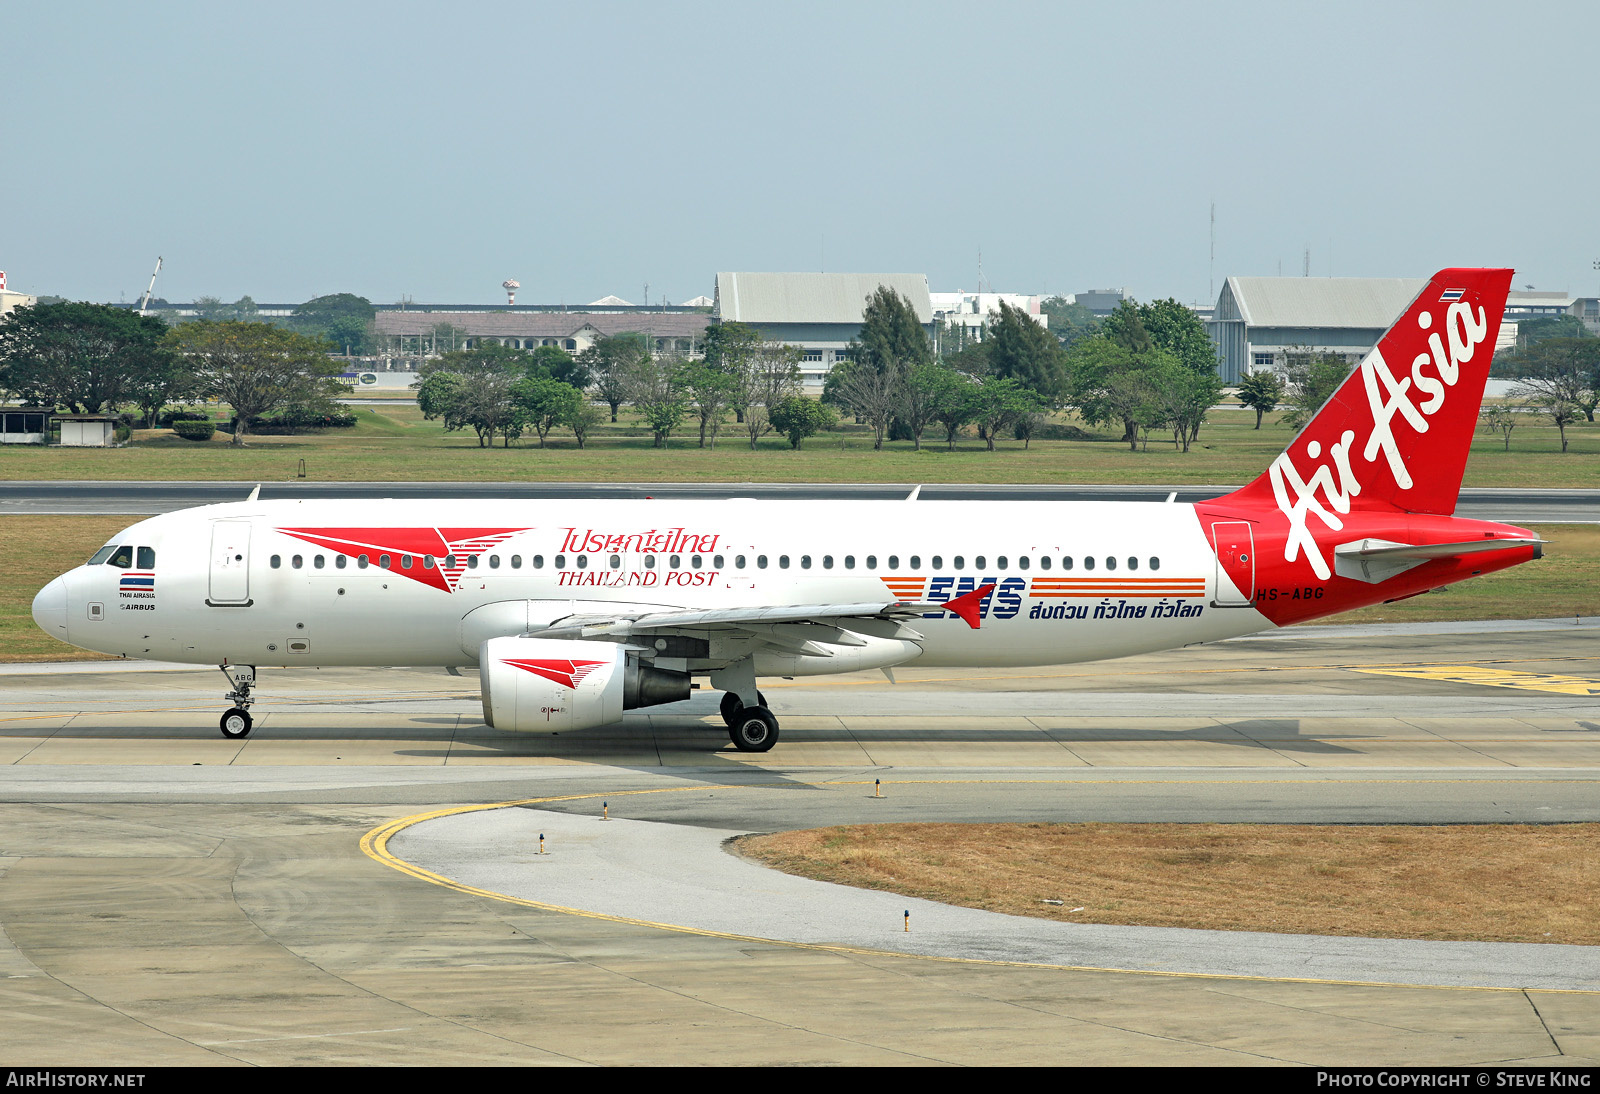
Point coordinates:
[[754, 730], [236, 723], [732, 705]]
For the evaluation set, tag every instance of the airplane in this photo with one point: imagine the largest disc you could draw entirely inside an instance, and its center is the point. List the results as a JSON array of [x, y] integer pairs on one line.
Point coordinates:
[[573, 612]]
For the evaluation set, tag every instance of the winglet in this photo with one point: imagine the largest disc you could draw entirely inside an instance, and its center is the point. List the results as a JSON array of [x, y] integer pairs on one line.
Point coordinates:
[[254, 494], [967, 604], [914, 492]]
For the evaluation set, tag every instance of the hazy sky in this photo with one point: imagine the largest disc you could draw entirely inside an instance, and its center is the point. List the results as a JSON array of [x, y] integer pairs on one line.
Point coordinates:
[[291, 149]]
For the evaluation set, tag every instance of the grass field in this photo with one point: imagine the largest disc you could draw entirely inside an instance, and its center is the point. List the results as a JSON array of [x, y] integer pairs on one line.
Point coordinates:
[[34, 549], [1497, 883], [395, 443]]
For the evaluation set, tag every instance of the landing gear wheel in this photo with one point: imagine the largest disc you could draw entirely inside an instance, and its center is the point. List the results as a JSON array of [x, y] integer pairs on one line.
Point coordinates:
[[732, 705], [754, 730], [236, 723]]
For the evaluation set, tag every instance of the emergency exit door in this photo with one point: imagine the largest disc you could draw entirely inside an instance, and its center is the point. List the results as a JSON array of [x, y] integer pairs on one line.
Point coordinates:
[[1236, 563]]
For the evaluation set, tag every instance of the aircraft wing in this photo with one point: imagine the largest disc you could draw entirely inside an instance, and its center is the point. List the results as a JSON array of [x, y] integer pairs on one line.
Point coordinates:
[[622, 626]]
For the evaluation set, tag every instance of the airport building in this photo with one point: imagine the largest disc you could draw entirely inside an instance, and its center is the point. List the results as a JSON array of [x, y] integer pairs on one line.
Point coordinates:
[[1258, 321], [418, 331], [819, 312]]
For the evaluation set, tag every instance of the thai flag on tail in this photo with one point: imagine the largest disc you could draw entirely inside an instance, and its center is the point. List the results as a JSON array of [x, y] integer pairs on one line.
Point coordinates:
[[1450, 295]]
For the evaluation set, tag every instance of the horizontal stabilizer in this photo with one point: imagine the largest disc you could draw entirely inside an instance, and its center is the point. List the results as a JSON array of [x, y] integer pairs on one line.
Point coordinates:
[[1375, 560]]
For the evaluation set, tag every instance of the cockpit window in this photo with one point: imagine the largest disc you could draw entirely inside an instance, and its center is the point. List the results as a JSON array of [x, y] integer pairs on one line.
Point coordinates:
[[102, 554], [147, 558], [122, 556]]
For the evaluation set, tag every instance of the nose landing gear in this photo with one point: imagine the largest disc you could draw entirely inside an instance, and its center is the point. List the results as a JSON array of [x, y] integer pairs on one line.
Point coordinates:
[[237, 721]]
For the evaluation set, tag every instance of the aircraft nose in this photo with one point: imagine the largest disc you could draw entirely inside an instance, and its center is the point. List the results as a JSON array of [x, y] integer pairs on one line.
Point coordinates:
[[50, 609]]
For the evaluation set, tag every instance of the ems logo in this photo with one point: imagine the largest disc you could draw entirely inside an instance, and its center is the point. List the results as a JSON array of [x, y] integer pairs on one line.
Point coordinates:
[[437, 556], [557, 670]]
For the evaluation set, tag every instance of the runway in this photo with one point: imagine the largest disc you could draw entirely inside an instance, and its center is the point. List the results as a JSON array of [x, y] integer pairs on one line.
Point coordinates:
[[170, 896], [1517, 506]]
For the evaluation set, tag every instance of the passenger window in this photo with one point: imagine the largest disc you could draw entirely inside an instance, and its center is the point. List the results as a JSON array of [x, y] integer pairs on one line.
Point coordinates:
[[516, 562], [1022, 563], [275, 561], [739, 562], [1066, 562], [783, 562], [583, 562], [538, 562], [405, 562], [894, 562], [147, 558], [827, 562], [1044, 562], [649, 562], [694, 561], [1000, 563], [716, 561], [805, 562], [361, 562], [1133, 563], [674, 561], [494, 562], [1088, 562], [761, 562], [561, 562], [979, 562], [472, 562], [849, 562], [938, 562], [1111, 563], [1155, 563], [340, 562], [319, 562], [916, 562], [123, 558], [297, 562], [449, 562], [383, 562], [616, 562], [872, 562], [427, 562]]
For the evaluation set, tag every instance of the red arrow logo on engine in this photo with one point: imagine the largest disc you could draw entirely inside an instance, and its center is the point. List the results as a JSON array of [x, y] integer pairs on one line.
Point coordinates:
[[557, 670]]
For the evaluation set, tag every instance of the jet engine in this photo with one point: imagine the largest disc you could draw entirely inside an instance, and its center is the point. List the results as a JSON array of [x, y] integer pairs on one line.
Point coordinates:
[[535, 684]]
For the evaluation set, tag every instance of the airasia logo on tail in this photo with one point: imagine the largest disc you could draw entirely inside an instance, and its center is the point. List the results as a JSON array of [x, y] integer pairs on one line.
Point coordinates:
[[1363, 442]]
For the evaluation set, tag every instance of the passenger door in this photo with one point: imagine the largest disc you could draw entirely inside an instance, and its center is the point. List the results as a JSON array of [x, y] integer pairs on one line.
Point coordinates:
[[230, 564]]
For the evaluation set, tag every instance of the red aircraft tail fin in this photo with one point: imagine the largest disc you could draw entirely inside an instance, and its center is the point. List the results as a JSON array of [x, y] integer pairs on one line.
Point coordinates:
[[1396, 433]]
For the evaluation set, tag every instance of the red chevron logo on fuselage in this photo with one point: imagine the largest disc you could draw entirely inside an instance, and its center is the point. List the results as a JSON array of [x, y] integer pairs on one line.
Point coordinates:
[[558, 670], [437, 556]]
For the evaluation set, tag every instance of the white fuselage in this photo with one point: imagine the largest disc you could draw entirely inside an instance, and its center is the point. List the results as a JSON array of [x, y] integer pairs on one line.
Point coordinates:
[[229, 584]]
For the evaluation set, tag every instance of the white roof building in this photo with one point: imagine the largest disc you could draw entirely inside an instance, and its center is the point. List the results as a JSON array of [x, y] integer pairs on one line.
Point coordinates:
[[1258, 320]]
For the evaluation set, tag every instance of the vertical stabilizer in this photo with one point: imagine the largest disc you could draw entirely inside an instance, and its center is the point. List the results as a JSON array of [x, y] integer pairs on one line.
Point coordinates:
[[1395, 435]]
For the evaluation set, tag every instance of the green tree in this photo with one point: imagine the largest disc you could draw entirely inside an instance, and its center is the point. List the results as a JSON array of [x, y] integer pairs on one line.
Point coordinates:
[[1577, 357], [344, 319], [1501, 419], [1000, 402], [583, 419], [1311, 378], [612, 362], [1022, 350], [1181, 396], [87, 358], [1125, 327], [1069, 323], [770, 375], [731, 348], [556, 363], [656, 392], [1261, 391], [891, 336], [1178, 330], [798, 417], [257, 368], [707, 388], [955, 404], [543, 404]]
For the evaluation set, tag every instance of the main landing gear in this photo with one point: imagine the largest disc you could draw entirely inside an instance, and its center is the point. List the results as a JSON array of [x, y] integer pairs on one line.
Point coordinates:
[[751, 729], [237, 721]]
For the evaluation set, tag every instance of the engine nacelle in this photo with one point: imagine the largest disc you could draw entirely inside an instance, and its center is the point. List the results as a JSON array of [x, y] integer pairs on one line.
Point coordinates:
[[535, 684]]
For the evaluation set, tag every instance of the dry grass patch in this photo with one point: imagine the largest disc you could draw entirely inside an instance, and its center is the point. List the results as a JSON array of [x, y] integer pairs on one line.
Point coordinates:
[[1491, 882]]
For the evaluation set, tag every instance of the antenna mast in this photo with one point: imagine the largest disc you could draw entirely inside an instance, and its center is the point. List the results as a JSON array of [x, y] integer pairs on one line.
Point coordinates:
[[144, 301]]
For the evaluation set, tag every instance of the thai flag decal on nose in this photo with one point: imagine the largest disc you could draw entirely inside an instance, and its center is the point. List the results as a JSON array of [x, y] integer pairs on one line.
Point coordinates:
[[137, 581]]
